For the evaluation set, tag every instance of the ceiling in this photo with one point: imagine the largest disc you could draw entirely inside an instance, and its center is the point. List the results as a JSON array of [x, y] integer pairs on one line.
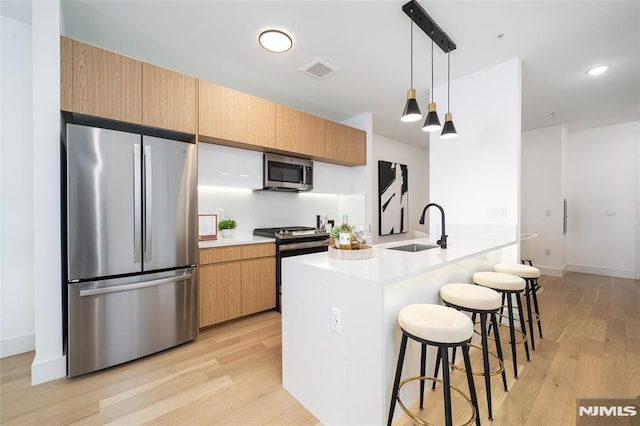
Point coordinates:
[[557, 41]]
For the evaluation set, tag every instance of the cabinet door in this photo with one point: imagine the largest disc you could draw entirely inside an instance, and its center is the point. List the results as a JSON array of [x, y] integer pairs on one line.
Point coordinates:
[[106, 84], [66, 74], [344, 144], [220, 291], [168, 99], [258, 285], [235, 117], [298, 132]]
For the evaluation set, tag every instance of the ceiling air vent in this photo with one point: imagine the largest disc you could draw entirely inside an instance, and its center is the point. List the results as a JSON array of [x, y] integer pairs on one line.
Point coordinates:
[[318, 68]]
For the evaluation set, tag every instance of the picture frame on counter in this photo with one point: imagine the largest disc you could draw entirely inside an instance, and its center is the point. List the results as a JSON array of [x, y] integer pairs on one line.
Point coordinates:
[[208, 226]]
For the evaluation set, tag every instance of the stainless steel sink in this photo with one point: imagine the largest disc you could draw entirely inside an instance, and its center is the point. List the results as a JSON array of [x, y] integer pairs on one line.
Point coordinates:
[[414, 247]]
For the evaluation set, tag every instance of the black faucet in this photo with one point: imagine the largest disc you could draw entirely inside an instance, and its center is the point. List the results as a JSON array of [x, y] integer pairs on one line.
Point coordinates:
[[442, 242]]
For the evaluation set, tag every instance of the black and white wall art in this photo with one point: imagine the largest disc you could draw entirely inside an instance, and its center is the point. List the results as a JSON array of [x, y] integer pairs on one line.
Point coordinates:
[[393, 192]]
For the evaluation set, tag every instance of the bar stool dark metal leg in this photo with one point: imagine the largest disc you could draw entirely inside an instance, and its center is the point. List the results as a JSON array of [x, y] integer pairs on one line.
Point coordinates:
[[423, 372], [472, 388], [512, 333], [485, 359], [446, 380], [522, 327], [537, 309], [494, 322], [527, 292], [396, 383]]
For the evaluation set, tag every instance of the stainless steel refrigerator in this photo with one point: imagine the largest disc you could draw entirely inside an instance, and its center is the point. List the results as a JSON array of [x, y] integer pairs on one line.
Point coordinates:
[[131, 246]]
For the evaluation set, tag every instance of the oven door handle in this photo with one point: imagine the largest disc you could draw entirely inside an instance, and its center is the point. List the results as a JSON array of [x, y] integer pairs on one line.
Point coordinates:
[[303, 245]]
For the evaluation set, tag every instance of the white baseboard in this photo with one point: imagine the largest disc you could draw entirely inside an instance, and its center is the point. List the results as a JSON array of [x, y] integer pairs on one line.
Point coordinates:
[[17, 345], [552, 272], [48, 369], [596, 270]]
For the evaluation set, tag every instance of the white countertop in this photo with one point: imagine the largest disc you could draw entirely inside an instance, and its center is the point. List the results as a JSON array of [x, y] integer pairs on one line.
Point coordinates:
[[390, 266], [238, 239]]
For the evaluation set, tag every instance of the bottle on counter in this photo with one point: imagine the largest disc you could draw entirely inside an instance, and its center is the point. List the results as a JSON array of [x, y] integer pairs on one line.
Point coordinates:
[[345, 235]]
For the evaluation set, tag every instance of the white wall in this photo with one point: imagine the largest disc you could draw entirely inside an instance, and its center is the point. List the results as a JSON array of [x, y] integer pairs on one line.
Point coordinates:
[[601, 175], [417, 161], [542, 195], [16, 205], [49, 362], [476, 176]]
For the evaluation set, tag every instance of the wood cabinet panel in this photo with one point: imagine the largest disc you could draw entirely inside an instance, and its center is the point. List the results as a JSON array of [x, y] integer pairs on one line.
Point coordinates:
[[298, 132], [168, 99], [258, 285], [220, 292], [344, 144], [66, 74], [106, 84], [239, 252], [234, 116]]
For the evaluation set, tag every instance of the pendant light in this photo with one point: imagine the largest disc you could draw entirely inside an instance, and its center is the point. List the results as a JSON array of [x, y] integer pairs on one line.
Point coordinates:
[[432, 123], [449, 130], [411, 109]]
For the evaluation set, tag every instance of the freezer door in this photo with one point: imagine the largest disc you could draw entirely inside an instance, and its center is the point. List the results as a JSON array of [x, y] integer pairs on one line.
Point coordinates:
[[115, 321], [170, 207], [104, 234]]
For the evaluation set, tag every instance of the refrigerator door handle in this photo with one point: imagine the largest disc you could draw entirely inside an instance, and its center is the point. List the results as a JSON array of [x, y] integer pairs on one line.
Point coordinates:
[[148, 177], [137, 200], [126, 287]]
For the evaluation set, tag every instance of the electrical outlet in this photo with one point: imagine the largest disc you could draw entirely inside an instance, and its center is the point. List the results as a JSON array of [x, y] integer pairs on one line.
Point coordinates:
[[336, 320], [547, 252], [547, 212], [609, 212]]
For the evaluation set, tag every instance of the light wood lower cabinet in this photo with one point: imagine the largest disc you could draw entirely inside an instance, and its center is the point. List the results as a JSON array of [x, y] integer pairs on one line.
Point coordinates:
[[236, 281]]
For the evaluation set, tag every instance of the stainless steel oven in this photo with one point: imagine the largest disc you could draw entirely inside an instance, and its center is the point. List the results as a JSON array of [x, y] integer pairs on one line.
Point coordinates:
[[293, 241]]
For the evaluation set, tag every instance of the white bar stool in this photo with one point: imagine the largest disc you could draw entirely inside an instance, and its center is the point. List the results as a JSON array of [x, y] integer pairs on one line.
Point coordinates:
[[444, 328], [530, 274], [483, 301], [508, 285]]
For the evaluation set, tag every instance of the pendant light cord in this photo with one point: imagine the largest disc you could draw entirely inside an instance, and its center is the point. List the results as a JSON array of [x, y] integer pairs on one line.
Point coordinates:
[[411, 26], [431, 70], [448, 81]]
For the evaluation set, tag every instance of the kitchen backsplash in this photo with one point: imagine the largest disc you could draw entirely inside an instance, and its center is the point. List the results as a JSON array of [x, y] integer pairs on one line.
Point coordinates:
[[262, 209]]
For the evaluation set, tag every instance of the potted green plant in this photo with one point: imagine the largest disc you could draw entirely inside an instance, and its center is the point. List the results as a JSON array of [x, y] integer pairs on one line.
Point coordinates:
[[227, 227]]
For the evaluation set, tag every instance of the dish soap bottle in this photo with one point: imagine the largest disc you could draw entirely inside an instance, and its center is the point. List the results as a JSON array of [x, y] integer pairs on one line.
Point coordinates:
[[345, 234]]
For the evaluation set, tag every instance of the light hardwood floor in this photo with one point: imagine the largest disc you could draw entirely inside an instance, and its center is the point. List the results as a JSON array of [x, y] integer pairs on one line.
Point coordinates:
[[232, 374]]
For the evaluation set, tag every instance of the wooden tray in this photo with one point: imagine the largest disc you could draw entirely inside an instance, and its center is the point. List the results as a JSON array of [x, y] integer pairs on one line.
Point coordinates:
[[363, 253]]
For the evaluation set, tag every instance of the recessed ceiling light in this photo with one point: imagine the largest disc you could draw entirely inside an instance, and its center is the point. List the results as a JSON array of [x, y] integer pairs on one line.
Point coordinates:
[[275, 40], [598, 70]]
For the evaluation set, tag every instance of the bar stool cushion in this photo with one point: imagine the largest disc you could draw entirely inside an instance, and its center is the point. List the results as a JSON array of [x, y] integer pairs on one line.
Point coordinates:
[[499, 281], [435, 323], [471, 296], [524, 271]]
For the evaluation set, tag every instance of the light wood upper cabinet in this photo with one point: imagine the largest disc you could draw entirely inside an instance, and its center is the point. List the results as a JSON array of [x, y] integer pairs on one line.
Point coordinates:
[[344, 144], [66, 74], [299, 133], [234, 117], [106, 84], [168, 99]]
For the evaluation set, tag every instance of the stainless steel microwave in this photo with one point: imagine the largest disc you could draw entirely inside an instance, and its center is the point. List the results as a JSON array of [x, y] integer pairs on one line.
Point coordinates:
[[287, 173]]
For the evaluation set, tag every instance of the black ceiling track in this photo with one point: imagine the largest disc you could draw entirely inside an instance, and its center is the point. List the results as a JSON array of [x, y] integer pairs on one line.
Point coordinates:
[[428, 25]]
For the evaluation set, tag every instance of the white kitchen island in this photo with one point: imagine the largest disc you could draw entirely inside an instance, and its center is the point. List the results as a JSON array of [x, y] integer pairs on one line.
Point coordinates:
[[346, 378]]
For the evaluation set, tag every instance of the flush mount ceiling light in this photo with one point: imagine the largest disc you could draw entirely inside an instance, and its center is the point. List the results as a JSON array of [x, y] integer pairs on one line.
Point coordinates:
[[598, 70], [411, 109], [275, 40], [421, 18]]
